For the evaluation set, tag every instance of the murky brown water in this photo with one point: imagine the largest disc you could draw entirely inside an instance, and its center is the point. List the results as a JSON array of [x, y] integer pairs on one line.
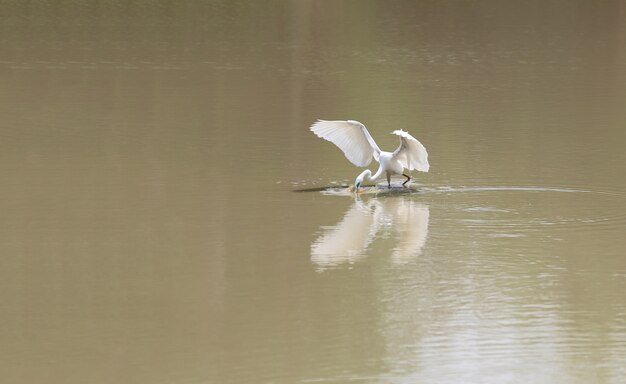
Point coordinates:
[[150, 232]]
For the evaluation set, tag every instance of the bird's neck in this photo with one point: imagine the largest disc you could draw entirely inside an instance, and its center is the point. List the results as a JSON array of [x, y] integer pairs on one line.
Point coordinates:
[[378, 173], [367, 175]]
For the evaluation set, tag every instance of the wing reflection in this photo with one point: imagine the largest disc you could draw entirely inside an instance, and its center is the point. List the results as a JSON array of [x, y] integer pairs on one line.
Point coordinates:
[[348, 241]]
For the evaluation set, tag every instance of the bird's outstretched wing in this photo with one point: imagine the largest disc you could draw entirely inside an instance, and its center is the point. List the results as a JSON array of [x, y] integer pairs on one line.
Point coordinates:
[[351, 137], [411, 153]]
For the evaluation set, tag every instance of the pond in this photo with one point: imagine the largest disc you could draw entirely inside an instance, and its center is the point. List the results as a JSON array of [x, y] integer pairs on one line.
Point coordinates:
[[168, 217]]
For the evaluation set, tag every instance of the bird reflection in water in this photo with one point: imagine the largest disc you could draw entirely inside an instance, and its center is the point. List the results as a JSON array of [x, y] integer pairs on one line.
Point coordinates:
[[347, 242]]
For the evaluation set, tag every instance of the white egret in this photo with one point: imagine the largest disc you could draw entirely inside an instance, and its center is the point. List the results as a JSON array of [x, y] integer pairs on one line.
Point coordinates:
[[359, 147]]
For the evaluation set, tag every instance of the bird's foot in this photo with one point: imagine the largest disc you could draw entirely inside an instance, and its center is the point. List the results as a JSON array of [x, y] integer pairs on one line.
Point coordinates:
[[408, 178]]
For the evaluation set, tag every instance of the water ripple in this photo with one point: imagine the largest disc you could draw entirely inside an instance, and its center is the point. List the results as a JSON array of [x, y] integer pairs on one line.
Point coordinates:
[[521, 209]]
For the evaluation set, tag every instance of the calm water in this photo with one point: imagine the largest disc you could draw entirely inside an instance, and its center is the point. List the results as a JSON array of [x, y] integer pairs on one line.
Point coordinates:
[[150, 232]]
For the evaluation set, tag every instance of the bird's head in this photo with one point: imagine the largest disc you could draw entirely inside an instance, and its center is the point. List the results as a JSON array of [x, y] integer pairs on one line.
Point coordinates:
[[358, 182]]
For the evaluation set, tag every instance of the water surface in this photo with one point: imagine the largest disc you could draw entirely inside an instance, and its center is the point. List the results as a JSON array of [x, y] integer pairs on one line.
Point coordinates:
[[150, 152]]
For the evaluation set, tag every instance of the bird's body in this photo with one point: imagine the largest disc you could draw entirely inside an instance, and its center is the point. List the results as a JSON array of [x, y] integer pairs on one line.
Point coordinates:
[[360, 148], [388, 165]]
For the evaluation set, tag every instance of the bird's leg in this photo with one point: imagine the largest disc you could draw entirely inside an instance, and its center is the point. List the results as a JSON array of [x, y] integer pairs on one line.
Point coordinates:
[[407, 178], [388, 180]]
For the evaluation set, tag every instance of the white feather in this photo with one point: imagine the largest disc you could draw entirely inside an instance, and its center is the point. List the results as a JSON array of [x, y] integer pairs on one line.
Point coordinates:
[[411, 153], [351, 137]]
